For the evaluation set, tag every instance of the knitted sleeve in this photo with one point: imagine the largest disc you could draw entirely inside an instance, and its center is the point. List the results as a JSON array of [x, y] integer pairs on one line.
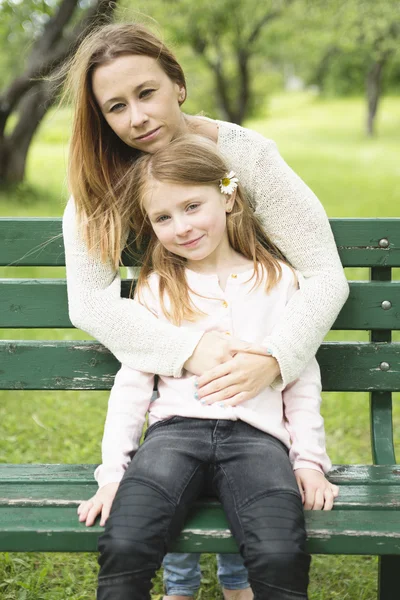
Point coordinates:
[[296, 222], [126, 328]]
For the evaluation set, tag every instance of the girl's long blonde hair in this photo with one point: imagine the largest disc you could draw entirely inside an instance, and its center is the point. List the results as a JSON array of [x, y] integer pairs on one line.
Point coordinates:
[[191, 160], [98, 159]]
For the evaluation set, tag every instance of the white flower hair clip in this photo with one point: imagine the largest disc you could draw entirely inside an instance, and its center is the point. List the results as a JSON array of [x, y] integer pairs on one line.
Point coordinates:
[[229, 183]]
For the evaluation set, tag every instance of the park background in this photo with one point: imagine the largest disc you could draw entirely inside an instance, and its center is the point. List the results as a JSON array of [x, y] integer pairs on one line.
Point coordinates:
[[321, 79]]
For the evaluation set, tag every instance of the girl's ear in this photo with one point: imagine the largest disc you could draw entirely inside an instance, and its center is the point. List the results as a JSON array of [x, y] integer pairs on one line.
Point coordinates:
[[230, 201]]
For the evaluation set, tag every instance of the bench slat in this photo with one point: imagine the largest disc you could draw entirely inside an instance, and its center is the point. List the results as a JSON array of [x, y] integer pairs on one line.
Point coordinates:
[[49, 529], [29, 303], [66, 474], [358, 242], [357, 497], [86, 365], [38, 241], [31, 242]]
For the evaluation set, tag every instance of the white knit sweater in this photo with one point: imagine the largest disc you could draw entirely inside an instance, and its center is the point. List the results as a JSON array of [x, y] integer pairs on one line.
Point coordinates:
[[295, 221]]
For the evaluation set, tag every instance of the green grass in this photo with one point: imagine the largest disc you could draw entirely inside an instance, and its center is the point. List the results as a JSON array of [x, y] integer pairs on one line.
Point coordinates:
[[353, 176]]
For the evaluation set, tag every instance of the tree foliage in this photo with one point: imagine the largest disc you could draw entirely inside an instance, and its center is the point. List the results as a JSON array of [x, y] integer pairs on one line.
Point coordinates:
[[233, 51], [50, 29], [226, 37], [346, 47]]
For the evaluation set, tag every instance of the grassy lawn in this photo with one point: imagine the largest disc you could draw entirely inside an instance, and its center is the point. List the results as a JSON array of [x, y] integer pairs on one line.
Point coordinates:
[[353, 176]]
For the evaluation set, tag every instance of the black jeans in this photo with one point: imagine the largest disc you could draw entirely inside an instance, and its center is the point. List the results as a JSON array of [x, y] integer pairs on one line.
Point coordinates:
[[252, 477]]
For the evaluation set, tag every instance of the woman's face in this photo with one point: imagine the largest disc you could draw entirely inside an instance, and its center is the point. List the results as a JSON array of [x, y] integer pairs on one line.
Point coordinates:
[[139, 101]]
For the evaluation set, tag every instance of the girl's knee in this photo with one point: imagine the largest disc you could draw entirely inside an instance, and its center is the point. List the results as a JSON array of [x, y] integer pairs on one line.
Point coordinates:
[[129, 553], [286, 569]]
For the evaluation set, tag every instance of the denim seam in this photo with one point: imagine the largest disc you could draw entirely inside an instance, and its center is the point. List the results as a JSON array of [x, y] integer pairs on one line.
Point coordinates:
[[281, 589], [154, 487], [234, 500], [126, 575], [179, 499], [268, 493]]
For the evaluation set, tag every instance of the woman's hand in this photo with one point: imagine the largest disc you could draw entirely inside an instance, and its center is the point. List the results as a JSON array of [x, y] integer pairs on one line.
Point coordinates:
[[316, 491], [101, 502], [216, 348], [238, 379]]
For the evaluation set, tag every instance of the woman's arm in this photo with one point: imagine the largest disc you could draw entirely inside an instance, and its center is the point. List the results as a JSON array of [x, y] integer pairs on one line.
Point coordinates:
[[296, 222], [125, 327]]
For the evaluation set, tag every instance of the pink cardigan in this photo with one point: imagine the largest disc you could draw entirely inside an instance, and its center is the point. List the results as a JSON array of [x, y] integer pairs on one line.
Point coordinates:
[[293, 415]]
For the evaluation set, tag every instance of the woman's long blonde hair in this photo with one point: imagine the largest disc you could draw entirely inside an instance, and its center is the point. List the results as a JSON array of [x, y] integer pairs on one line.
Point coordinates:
[[98, 159], [191, 160]]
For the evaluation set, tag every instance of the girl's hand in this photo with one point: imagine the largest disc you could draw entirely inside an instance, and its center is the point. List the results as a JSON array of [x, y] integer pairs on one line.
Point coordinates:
[[215, 348], [316, 491], [101, 502], [237, 380]]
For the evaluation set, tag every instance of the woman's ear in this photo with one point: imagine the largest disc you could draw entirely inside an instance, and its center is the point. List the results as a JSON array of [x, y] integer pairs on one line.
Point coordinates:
[[181, 95], [230, 201]]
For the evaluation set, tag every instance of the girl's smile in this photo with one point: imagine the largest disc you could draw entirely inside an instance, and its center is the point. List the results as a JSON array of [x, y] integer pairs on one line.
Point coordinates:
[[192, 242]]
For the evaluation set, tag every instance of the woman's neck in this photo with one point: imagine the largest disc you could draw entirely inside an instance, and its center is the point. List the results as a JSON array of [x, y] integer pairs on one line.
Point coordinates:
[[202, 126]]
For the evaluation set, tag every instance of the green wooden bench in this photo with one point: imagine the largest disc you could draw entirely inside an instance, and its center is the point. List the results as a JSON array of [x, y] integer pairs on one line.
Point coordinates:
[[38, 502]]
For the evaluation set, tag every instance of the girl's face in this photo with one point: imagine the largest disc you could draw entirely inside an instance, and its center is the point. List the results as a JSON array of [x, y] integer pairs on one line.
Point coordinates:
[[139, 101], [190, 220]]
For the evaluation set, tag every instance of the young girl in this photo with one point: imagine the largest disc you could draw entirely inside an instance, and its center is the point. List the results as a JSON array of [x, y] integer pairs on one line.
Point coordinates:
[[207, 266]]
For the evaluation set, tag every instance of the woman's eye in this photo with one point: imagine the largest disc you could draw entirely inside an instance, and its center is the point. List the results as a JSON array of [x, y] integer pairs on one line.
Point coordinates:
[[117, 107], [146, 93]]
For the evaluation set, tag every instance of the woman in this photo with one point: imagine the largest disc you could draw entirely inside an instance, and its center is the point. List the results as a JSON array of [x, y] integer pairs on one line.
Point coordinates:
[[128, 91]]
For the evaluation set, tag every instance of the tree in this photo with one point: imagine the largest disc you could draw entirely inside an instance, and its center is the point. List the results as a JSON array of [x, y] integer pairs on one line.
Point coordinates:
[[350, 43], [57, 26], [226, 35]]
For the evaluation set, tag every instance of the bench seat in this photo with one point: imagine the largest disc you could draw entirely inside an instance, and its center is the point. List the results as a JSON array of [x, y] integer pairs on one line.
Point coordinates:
[[38, 512], [38, 502]]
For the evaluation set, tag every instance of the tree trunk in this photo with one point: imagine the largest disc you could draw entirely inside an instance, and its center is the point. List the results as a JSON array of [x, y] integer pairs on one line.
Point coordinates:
[[243, 92], [373, 88], [29, 94], [14, 148], [234, 110]]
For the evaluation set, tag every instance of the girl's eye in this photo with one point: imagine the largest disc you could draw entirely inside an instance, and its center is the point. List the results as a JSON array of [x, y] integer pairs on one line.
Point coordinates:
[[117, 107], [162, 218], [146, 93], [192, 206]]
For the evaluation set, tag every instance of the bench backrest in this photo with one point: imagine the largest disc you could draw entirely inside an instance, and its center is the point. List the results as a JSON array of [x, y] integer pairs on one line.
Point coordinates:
[[373, 305]]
